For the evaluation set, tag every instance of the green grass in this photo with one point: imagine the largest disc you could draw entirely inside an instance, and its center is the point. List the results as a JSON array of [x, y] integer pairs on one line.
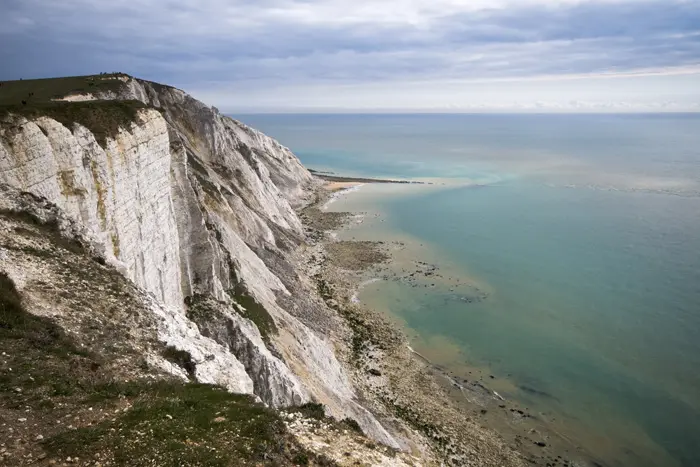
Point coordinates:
[[42, 91], [312, 410], [255, 312], [102, 118], [36, 97], [173, 424], [205, 312], [362, 334], [317, 411]]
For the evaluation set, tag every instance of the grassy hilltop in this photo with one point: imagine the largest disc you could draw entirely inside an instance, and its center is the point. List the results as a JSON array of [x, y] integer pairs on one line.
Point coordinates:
[[41, 92], [34, 98]]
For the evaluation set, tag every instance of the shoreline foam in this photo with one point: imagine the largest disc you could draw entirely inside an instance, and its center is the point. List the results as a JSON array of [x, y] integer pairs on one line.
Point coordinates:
[[355, 297], [339, 189]]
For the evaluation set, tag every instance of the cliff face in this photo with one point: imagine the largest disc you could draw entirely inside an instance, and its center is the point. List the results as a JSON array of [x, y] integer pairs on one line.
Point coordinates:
[[120, 192], [198, 211]]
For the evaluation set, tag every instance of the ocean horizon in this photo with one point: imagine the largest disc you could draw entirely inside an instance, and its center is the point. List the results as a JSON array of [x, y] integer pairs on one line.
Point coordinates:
[[573, 245]]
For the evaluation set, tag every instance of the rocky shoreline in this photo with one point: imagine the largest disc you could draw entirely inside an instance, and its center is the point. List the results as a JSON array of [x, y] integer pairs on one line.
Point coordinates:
[[446, 416]]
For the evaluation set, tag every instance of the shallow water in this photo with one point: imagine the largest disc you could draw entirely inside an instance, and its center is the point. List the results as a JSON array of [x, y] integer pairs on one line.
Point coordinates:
[[577, 239]]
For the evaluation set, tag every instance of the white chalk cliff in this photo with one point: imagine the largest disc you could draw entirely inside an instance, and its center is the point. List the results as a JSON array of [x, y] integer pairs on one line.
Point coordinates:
[[193, 206]]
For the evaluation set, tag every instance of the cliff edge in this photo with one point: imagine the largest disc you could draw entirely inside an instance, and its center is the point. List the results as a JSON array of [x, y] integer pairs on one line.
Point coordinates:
[[152, 245], [197, 210]]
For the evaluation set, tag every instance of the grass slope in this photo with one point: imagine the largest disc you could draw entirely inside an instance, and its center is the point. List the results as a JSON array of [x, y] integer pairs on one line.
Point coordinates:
[[102, 118], [37, 97], [41, 91]]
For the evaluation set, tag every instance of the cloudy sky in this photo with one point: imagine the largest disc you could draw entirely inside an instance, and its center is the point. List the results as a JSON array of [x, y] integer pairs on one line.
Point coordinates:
[[374, 55]]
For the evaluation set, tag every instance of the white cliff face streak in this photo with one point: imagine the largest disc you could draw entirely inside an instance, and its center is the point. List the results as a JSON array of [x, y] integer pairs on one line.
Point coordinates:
[[120, 192], [181, 200]]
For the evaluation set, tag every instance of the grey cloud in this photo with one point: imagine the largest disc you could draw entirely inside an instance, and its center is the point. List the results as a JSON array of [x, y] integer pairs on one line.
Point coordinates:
[[268, 42]]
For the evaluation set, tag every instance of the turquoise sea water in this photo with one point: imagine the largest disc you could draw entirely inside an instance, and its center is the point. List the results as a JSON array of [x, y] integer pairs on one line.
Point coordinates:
[[586, 231]]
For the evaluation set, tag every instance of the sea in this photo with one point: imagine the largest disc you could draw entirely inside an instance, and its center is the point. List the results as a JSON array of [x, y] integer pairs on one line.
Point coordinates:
[[570, 251]]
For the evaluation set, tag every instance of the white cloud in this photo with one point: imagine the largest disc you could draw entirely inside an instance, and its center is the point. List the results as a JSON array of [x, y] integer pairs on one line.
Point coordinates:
[[642, 93]]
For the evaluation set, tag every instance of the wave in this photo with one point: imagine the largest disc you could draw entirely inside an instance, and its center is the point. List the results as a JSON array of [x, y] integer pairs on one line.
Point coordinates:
[[336, 195], [355, 297]]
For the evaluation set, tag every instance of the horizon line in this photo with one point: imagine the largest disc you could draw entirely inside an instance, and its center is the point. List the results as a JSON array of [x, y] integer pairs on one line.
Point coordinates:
[[443, 112]]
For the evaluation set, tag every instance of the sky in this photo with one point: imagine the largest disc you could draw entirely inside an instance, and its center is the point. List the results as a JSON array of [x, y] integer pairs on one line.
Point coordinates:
[[374, 55]]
